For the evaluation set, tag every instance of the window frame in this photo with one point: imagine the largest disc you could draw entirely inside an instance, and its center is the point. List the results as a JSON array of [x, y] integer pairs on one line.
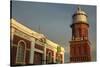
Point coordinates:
[[21, 41]]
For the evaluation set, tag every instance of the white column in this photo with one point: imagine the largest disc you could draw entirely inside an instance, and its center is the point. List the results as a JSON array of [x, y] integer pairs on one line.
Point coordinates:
[[12, 33], [32, 51], [63, 57], [54, 57], [44, 60]]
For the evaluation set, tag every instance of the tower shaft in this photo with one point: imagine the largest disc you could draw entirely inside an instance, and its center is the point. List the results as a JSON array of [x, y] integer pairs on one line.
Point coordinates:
[[80, 45]]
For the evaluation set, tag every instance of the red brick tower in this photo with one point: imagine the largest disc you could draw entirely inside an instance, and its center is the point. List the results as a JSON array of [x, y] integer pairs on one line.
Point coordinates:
[[80, 45]]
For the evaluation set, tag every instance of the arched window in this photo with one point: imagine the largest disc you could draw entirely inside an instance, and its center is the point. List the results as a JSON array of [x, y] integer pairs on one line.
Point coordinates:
[[85, 50], [49, 57], [74, 50], [59, 59], [20, 52], [79, 50]]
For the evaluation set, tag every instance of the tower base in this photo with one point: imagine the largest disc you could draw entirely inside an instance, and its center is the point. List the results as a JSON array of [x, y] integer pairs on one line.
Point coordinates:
[[80, 51]]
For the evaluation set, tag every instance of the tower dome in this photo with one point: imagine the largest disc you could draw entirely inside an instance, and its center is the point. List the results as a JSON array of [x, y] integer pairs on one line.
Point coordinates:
[[79, 16]]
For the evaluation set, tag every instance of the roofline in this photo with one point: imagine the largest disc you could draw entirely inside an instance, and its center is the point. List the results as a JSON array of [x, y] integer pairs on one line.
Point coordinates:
[[30, 32]]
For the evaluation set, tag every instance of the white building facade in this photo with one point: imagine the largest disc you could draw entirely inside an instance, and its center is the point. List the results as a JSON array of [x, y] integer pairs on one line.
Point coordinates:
[[30, 47]]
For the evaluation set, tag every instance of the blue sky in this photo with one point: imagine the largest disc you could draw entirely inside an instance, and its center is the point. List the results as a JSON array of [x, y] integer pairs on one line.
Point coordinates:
[[54, 21]]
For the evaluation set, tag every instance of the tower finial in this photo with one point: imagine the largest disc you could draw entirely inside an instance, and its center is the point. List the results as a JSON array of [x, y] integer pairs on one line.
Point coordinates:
[[79, 8]]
